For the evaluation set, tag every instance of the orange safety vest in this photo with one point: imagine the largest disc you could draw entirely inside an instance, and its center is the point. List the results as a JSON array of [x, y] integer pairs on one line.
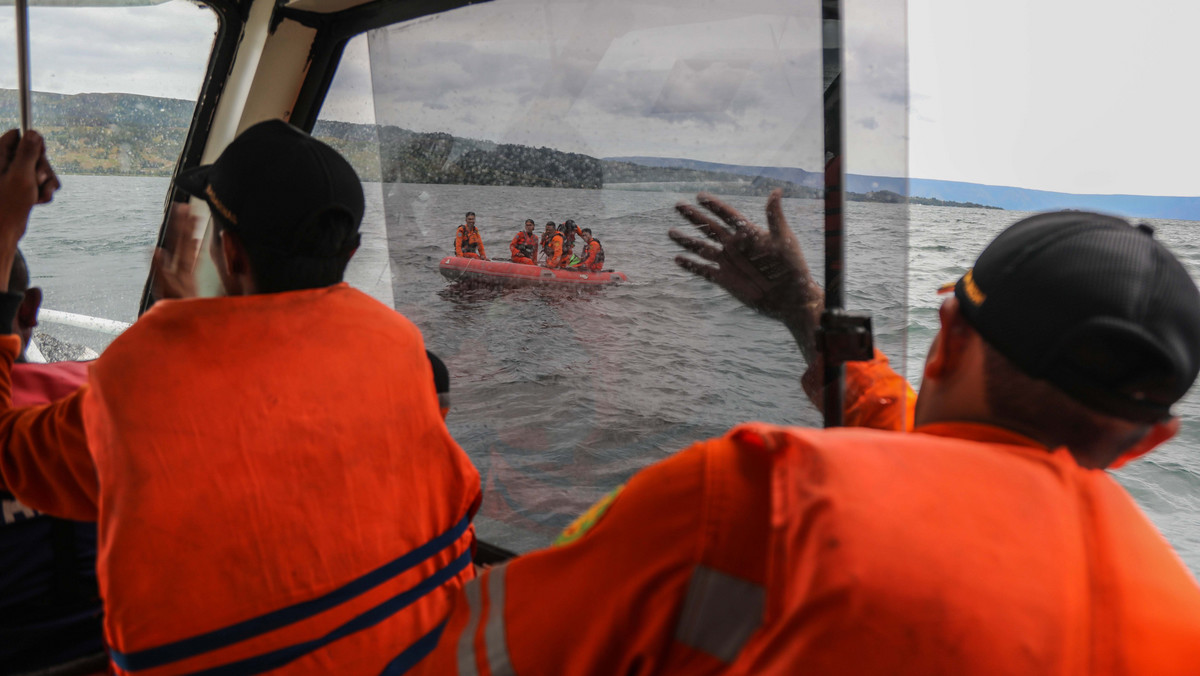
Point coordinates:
[[276, 487], [524, 245], [958, 549], [593, 256], [555, 256], [468, 241]]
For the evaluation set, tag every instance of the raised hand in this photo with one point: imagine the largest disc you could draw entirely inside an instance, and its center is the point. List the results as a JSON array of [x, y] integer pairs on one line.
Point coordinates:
[[26, 179], [174, 266], [765, 269]]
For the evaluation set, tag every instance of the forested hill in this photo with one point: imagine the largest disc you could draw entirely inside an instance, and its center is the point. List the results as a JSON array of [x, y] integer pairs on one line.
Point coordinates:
[[128, 134]]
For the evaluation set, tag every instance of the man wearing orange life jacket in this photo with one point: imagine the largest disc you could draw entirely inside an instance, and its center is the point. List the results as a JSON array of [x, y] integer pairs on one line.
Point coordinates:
[[987, 541], [274, 485], [552, 247], [547, 236], [468, 243], [593, 253], [569, 230], [524, 245]]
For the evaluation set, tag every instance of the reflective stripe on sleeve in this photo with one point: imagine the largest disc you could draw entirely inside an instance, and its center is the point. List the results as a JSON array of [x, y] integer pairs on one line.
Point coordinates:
[[720, 613], [466, 642], [494, 635]]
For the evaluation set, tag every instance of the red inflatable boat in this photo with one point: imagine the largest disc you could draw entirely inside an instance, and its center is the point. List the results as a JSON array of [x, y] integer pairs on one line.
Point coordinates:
[[505, 273]]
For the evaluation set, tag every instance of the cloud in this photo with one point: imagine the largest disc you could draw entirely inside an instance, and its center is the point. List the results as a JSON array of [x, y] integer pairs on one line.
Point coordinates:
[[74, 50]]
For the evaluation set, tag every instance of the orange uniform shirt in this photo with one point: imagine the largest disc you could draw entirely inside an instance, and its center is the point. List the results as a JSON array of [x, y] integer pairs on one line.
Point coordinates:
[[273, 482], [957, 549]]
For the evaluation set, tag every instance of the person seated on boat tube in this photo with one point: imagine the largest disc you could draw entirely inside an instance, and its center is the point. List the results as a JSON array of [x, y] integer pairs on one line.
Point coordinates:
[[546, 238], [593, 253], [468, 243], [524, 245], [266, 467], [553, 248], [988, 540], [569, 230], [50, 609]]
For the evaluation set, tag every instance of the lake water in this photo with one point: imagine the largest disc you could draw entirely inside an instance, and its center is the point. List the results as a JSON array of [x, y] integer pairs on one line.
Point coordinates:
[[559, 396]]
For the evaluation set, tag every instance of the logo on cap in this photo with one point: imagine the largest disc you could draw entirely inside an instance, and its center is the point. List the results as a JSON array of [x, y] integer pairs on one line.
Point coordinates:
[[216, 202], [974, 294]]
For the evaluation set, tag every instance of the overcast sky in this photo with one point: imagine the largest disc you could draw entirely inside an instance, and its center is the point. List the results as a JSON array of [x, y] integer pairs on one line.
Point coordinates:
[[1086, 96]]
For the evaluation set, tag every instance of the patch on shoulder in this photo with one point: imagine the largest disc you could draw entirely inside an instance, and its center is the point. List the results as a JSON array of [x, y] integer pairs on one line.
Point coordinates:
[[588, 519]]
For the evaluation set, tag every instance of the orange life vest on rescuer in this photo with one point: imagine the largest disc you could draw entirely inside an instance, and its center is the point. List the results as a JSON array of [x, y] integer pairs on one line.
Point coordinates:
[[468, 241], [957, 549], [525, 245], [555, 257], [276, 487]]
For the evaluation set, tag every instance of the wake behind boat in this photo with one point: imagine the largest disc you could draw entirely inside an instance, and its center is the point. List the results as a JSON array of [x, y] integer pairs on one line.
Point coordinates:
[[506, 273]]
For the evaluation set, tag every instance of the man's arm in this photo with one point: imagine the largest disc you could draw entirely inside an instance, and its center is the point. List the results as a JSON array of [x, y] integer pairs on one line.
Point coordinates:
[[44, 457], [606, 601], [458, 237]]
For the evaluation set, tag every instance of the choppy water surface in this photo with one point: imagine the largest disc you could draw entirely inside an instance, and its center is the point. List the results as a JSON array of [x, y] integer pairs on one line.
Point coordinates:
[[559, 396]]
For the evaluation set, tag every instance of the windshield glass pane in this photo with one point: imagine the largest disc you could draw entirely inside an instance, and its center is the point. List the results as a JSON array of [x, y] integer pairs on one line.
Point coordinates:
[[608, 114], [347, 122], [114, 91]]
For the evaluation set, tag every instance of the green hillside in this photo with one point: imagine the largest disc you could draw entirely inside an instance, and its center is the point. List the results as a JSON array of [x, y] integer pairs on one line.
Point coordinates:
[[132, 135]]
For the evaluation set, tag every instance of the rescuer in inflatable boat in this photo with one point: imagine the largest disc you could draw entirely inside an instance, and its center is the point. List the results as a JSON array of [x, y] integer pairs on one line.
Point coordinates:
[[552, 247], [524, 245], [274, 485], [593, 253], [569, 230], [468, 243], [547, 236], [987, 541], [50, 609]]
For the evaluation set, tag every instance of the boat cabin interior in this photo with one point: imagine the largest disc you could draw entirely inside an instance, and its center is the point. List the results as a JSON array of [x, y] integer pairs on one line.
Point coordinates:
[[608, 112]]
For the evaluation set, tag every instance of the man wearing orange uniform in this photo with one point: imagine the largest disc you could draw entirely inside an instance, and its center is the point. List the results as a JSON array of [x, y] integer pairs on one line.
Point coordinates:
[[468, 243], [552, 247], [524, 245], [50, 609], [593, 252], [987, 541], [274, 485]]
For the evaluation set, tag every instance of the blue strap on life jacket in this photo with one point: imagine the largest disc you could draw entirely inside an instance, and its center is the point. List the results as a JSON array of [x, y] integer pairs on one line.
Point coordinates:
[[278, 658], [247, 629], [415, 652]]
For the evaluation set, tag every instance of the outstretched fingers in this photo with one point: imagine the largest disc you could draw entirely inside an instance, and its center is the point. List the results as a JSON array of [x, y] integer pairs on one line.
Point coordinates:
[[776, 222], [700, 248], [706, 225], [732, 216], [708, 272]]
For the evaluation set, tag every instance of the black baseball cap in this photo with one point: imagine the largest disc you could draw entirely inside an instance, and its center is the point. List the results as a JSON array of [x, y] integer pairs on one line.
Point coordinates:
[[1092, 304], [272, 180]]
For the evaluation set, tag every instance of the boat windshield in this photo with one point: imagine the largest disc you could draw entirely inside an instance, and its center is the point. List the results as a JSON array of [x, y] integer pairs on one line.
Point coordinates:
[[114, 110], [608, 114]]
